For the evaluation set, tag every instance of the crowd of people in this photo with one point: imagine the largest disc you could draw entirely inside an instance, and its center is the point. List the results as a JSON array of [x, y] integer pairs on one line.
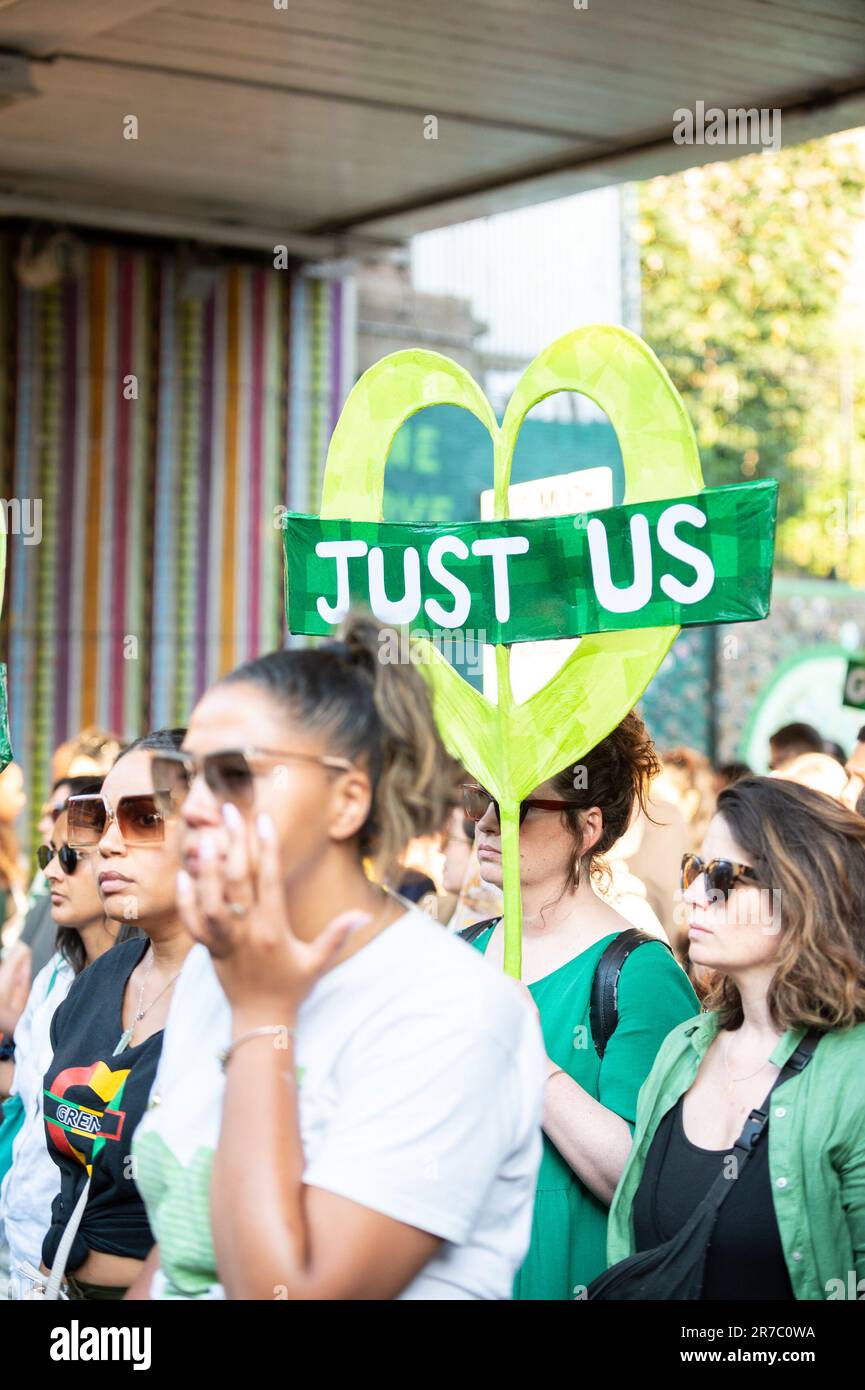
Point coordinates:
[[257, 1041]]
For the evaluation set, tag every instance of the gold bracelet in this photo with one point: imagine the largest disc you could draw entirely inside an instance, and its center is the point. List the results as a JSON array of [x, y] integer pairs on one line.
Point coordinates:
[[267, 1030]]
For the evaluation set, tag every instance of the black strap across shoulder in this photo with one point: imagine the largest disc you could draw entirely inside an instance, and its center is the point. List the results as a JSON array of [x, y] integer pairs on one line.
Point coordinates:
[[472, 933], [676, 1268], [604, 1005], [756, 1122]]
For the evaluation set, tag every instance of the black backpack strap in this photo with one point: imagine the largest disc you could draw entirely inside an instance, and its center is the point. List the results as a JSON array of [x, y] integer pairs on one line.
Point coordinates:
[[756, 1121], [472, 933], [604, 1004]]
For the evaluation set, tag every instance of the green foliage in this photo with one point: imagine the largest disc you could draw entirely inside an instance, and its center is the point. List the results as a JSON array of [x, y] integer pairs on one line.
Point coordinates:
[[745, 273]]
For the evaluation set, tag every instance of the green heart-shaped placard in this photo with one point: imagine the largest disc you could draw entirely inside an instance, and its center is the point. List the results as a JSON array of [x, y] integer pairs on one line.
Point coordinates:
[[512, 747]]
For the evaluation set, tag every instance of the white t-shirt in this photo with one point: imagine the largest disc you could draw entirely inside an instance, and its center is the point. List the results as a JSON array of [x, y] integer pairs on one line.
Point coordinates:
[[420, 1074], [33, 1180]]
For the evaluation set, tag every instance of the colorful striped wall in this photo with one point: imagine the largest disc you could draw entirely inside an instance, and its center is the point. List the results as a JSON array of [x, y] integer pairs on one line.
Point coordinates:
[[161, 407]]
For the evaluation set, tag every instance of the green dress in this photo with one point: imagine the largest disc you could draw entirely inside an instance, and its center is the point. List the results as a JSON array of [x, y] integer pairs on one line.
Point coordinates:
[[569, 1235]]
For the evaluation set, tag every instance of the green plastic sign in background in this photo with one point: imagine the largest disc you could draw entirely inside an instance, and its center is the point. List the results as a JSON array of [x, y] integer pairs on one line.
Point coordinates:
[[854, 683]]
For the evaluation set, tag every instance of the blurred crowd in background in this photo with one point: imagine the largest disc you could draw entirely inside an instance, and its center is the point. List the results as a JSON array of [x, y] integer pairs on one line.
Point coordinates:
[[640, 876]]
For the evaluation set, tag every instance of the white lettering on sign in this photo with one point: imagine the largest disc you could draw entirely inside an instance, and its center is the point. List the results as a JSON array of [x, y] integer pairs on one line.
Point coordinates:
[[688, 554], [448, 545], [638, 593], [500, 548], [401, 610], [342, 552], [629, 598]]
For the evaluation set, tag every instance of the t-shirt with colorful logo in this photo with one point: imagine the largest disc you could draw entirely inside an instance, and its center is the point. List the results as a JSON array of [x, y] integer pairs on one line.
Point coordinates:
[[93, 1101]]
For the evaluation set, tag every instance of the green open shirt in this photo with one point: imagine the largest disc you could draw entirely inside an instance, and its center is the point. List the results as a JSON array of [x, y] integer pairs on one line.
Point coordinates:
[[816, 1139]]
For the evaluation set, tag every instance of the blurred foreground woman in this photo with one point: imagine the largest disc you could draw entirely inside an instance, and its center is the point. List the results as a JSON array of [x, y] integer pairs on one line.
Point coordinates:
[[348, 1101], [777, 910]]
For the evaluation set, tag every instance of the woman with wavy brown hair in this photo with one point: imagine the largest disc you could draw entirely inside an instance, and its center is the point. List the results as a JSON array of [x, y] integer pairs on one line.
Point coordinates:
[[777, 914], [572, 941]]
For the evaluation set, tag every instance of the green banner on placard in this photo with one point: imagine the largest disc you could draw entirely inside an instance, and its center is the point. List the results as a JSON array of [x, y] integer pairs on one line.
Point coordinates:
[[854, 683], [683, 561]]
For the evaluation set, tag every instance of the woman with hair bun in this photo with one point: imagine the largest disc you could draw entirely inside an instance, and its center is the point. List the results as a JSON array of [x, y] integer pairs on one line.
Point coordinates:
[[348, 1101], [573, 940], [777, 914]]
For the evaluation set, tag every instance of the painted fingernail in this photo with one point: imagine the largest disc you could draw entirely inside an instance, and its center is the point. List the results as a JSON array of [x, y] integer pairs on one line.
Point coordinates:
[[232, 817], [265, 827], [207, 847], [362, 919], [184, 882]]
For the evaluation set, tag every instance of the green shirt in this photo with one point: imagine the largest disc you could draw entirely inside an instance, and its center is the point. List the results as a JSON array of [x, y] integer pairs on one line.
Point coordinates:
[[816, 1137], [569, 1232]]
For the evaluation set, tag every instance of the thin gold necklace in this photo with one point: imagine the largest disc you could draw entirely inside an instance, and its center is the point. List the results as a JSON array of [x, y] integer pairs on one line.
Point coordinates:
[[734, 1080]]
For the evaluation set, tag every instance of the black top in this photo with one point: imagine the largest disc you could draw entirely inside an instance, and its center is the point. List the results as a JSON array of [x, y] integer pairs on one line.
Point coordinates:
[[745, 1259], [93, 1103]]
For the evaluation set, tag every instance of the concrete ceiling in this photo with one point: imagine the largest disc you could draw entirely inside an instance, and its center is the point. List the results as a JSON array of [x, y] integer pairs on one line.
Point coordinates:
[[305, 124]]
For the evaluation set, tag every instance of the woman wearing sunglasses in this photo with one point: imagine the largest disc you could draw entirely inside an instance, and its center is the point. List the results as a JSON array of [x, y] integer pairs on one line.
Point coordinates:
[[348, 1101], [777, 911], [107, 1034], [590, 1100], [83, 935]]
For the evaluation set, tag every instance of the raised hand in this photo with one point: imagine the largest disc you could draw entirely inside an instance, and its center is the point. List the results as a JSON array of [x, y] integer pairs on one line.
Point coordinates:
[[235, 906]]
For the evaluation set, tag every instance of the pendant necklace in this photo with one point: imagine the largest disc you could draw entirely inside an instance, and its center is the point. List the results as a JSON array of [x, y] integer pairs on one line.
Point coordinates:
[[126, 1035]]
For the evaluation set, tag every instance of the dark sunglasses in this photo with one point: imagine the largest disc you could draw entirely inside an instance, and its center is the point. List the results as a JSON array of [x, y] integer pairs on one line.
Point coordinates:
[[477, 801], [721, 874], [139, 820], [229, 774], [69, 858]]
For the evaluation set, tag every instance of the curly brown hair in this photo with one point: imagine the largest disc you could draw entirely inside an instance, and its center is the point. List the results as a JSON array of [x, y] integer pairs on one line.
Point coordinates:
[[615, 776], [808, 849]]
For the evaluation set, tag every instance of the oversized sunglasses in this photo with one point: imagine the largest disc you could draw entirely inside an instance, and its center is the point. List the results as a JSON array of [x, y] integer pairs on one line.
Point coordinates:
[[68, 857], [139, 820], [721, 874], [229, 774], [477, 801]]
